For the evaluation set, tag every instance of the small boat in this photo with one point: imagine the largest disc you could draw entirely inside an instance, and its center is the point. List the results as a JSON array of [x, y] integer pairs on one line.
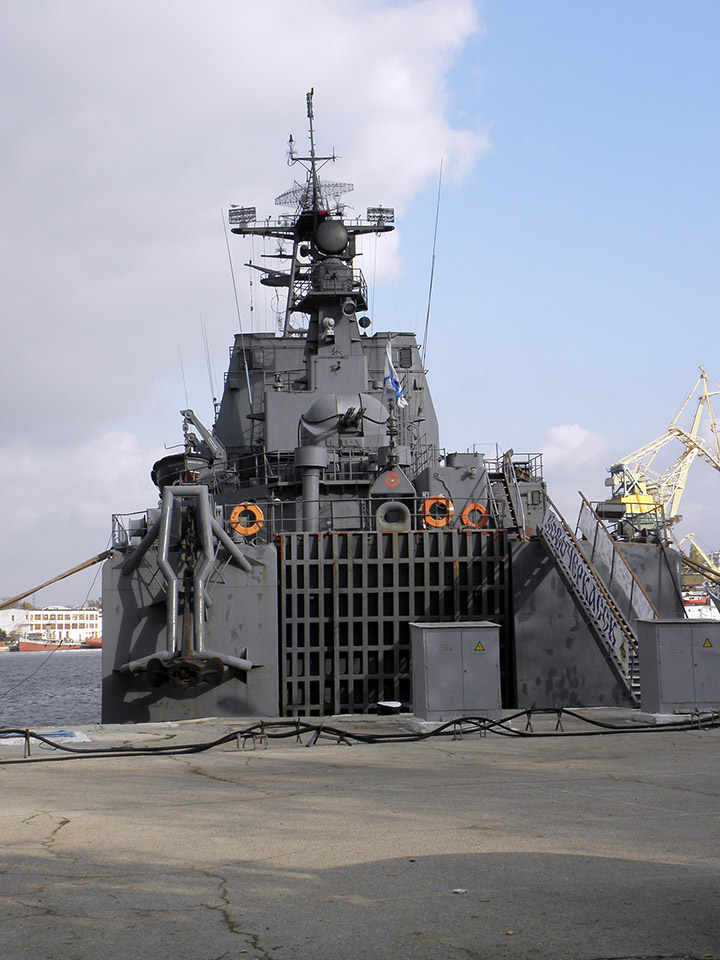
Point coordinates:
[[40, 640], [92, 643]]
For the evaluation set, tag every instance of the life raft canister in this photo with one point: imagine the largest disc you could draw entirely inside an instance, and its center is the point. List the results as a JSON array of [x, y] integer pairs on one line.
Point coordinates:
[[247, 518], [437, 511], [476, 524]]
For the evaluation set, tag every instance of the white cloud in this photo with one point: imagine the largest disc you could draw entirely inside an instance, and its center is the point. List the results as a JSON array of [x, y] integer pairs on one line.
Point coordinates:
[[125, 143], [574, 459], [58, 504], [128, 128], [570, 446]]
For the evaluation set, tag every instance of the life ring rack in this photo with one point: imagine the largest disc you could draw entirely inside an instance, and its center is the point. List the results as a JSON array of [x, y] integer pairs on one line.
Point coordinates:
[[467, 513], [240, 514], [437, 512]]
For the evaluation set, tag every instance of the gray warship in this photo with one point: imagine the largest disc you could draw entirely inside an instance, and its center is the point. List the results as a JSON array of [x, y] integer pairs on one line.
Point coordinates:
[[298, 538]]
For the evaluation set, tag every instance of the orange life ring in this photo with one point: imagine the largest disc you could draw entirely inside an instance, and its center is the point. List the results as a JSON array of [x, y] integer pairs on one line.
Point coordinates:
[[437, 511], [474, 524], [239, 518]]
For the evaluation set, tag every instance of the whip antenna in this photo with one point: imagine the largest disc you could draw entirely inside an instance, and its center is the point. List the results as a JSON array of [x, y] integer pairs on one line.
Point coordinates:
[[237, 308], [182, 371], [208, 362], [432, 275]]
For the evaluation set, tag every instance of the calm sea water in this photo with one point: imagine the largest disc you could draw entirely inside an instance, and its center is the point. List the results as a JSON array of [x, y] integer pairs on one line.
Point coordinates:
[[58, 687]]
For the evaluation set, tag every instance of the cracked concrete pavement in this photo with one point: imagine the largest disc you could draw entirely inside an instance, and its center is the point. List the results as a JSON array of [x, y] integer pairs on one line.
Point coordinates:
[[577, 847]]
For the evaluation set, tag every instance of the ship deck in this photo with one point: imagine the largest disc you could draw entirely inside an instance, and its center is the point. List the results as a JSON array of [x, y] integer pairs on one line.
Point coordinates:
[[477, 847]]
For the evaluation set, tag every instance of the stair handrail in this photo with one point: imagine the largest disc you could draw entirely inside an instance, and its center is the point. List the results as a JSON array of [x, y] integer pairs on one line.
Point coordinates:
[[510, 480], [630, 641], [617, 554]]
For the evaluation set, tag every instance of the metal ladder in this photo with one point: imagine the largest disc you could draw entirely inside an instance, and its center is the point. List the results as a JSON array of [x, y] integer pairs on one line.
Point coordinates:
[[506, 479]]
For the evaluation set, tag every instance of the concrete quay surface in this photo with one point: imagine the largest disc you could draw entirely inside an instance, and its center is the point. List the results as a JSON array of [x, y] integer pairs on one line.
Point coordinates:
[[573, 847]]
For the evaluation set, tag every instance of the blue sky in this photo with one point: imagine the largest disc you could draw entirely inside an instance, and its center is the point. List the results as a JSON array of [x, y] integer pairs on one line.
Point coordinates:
[[579, 259], [577, 269], [576, 287]]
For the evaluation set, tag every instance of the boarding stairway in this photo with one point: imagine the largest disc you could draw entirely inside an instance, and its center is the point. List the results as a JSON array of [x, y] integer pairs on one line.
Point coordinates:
[[600, 601]]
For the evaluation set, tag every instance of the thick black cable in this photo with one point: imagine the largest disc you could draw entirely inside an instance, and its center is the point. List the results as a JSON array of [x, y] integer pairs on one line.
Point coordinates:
[[284, 729]]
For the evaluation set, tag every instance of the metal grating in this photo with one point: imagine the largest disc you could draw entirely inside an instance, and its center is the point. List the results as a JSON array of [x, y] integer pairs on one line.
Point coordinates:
[[346, 601]]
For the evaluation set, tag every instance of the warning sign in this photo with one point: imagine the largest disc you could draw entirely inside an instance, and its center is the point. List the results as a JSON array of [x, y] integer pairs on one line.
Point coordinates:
[[479, 648], [707, 644]]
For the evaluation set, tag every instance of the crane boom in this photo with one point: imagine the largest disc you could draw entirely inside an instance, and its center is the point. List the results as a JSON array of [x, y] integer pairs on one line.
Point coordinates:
[[644, 491]]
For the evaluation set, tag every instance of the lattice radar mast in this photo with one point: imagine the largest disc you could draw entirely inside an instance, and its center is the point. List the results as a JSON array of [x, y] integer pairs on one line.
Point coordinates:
[[321, 235]]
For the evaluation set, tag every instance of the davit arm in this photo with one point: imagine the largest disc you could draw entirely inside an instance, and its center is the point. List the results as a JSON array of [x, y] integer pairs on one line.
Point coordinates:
[[186, 661]]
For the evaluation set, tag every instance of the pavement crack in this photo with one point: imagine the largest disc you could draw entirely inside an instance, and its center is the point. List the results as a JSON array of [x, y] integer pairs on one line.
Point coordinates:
[[49, 841], [198, 771], [223, 908], [209, 776], [34, 816], [52, 836]]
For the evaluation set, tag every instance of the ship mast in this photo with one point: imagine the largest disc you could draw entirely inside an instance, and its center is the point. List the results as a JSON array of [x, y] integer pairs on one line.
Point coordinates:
[[316, 201], [313, 168]]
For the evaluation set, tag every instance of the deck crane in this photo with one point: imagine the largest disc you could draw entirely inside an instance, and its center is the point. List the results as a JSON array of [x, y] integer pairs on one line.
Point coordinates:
[[647, 500]]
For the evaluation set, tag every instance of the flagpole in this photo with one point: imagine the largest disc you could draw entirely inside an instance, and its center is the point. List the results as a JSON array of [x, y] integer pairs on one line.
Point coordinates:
[[392, 431]]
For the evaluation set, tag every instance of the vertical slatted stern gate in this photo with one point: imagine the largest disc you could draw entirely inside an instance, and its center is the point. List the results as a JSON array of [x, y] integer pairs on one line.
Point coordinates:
[[347, 599]]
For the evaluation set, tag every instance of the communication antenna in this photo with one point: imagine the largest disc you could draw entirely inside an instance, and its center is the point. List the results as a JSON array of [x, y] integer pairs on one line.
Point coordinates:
[[432, 276], [208, 362], [249, 212], [311, 117], [182, 371], [315, 194]]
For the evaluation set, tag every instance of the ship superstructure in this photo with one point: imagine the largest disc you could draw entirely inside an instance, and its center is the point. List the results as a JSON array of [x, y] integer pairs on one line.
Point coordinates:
[[297, 540]]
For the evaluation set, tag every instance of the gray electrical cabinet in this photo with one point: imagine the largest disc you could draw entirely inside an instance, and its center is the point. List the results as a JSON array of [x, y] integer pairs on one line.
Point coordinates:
[[455, 670], [679, 665]]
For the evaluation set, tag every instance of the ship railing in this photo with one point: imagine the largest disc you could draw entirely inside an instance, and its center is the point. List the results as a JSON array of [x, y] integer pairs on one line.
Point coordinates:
[[285, 221], [527, 466], [266, 519], [347, 464], [606, 557], [629, 522], [271, 468], [126, 526], [260, 357], [355, 466], [353, 284], [423, 456]]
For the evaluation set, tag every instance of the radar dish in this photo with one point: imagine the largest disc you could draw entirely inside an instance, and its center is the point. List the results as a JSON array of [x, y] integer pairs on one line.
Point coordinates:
[[301, 194], [292, 196]]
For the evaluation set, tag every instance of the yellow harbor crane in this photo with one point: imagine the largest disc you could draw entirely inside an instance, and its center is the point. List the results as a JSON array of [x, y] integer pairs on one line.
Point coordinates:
[[650, 500], [698, 561]]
